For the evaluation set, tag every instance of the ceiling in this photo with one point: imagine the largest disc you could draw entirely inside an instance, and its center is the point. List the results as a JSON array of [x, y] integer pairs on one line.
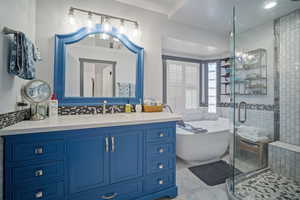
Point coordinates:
[[167, 7], [213, 16], [216, 15]]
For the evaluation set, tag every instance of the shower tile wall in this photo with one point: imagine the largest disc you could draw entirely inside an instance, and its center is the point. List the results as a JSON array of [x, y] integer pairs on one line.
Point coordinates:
[[289, 69], [284, 159]]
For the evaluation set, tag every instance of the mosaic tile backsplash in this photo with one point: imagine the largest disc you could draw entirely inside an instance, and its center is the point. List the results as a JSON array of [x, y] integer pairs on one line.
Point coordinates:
[[262, 107], [12, 118], [84, 110]]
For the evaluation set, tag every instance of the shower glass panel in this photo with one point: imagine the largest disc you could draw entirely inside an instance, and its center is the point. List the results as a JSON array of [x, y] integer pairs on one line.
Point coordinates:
[[264, 97]]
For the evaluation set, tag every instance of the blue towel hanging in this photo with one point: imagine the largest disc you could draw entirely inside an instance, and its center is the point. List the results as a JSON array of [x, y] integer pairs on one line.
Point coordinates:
[[22, 56]]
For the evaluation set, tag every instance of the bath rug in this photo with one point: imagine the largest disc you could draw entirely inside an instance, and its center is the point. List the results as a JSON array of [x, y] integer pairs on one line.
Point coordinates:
[[213, 173]]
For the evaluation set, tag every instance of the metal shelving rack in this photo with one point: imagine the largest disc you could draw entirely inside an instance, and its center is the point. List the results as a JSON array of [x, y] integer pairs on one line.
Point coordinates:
[[251, 76]]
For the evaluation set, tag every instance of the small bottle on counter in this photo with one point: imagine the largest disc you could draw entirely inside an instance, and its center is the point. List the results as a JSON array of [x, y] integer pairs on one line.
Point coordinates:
[[128, 108], [53, 107], [138, 107]]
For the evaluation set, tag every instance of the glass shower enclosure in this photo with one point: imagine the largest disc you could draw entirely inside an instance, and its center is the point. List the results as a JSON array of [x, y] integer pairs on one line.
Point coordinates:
[[265, 100]]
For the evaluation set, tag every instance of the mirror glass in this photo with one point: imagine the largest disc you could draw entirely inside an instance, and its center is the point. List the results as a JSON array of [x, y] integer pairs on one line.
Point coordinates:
[[36, 91], [100, 66]]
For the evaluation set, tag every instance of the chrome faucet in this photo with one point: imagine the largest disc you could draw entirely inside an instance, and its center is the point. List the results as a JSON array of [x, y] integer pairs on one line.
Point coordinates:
[[168, 107], [95, 110], [104, 107], [112, 109]]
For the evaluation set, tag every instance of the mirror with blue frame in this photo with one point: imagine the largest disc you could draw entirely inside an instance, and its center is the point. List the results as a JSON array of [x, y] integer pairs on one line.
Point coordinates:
[[93, 66]]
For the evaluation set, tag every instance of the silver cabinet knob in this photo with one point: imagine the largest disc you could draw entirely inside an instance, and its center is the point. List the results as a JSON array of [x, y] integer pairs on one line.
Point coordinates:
[[39, 195], [39, 151], [161, 135], [161, 182], [161, 166], [161, 150], [39, 172]]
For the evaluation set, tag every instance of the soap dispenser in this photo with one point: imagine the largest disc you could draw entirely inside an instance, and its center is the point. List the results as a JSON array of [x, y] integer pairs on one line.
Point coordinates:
[[138, 107], [53, 107]]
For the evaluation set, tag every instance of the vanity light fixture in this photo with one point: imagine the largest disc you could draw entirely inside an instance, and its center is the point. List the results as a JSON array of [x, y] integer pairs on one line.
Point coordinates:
[[103, 36], [105, 21], [71, 17], [268, 4], [106, 25], [135, 30], [90, 21], [122, 27]]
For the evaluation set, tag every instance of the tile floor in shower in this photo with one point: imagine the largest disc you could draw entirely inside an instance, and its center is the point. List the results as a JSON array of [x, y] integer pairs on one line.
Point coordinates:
[[266, 186], [191, 187]]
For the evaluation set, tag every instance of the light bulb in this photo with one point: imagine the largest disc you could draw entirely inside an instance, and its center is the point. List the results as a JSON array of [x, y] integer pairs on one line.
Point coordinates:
[[106, 25], [270, 4], [122, 27], [89, 21], [71, 17], [136, 30]]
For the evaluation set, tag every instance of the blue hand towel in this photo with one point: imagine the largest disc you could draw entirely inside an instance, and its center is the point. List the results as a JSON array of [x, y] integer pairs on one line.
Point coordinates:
[[22, 57]]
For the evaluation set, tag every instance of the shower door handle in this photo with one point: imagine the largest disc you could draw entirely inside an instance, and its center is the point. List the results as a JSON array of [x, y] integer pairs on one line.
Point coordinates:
[[239, 111]]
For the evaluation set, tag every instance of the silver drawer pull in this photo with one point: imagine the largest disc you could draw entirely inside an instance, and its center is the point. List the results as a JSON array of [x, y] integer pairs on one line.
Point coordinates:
[[39, 195], [161, 150], [161, 182], [39, 151], [161, 166], [39, 172], [113, 148], [114, 195], [106, 144], [161, 135]]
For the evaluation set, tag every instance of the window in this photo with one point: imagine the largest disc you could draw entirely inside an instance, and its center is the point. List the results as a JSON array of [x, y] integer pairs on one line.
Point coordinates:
[[182, 85], [212, 87]]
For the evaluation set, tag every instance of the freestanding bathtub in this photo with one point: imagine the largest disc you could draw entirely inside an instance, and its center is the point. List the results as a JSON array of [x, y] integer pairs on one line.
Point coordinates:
[[203, 147]]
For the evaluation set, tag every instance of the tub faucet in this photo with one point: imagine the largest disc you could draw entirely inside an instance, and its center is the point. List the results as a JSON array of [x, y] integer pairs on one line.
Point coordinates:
[[168, 107]]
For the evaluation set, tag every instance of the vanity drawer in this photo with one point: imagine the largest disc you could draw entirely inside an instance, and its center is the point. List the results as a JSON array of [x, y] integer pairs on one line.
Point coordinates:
[[162, 149], [160, 134], [40, 173], [160, 181], [124, 191], [45, 192], [38, 150], [159, 165]]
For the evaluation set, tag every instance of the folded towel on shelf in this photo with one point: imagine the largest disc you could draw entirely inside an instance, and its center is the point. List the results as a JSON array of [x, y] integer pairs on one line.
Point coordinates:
[[22, 57], [253, 134]]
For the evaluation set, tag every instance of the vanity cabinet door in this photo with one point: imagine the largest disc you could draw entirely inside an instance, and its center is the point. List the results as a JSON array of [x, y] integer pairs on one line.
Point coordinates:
[[126, 155], [88, 162]]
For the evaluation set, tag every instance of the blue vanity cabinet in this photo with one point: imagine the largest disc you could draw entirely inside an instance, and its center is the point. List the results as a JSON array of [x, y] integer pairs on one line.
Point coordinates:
[[87, 161], [126, 155], [134, 162]]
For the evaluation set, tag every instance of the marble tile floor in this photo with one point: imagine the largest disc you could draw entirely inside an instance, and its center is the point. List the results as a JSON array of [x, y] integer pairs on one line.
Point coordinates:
[[268, 185], [191, 187]]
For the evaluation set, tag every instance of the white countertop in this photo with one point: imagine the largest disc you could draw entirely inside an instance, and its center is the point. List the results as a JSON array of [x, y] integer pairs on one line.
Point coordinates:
[[71, 122]]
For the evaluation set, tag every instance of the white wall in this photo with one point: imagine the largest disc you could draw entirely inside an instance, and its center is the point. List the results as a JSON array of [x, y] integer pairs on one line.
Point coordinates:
[[18, 15], [153, 28]]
